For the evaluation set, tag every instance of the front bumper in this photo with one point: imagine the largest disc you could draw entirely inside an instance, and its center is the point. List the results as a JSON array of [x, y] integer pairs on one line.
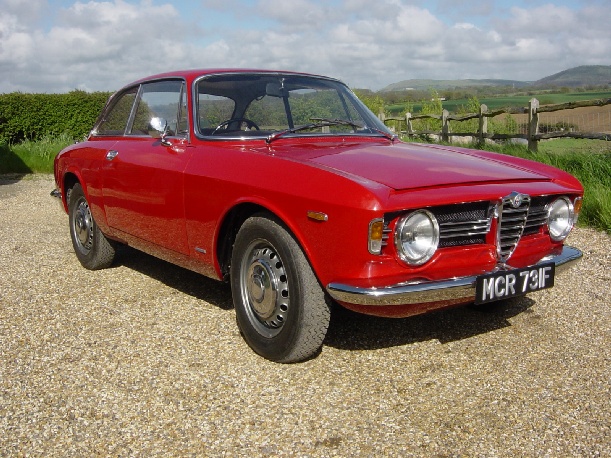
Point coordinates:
[[443, 291]]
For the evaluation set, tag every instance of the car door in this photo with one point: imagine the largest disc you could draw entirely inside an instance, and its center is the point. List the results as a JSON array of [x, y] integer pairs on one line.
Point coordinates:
[[143, 176]]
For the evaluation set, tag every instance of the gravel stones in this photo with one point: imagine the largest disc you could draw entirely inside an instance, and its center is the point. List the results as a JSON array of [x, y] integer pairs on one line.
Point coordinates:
[[145, 359]]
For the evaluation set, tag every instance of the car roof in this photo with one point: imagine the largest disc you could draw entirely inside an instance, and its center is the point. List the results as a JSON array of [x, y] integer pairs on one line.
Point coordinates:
[[192, 74]]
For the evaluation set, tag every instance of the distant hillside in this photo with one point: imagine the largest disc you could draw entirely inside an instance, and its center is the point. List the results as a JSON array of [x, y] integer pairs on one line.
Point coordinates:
[[424, 85], [586, 75]]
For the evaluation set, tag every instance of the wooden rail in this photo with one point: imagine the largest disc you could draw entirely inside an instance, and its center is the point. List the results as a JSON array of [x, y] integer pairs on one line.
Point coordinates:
[[533, 135]]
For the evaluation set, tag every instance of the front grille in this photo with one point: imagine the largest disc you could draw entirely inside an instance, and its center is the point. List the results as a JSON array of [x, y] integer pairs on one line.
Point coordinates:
[[464, 224], [460, 224], [537, 215], [470, 223], [513, 213]]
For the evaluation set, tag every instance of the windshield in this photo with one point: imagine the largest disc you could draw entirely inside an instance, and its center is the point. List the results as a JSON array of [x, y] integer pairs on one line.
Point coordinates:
[[276, 105]]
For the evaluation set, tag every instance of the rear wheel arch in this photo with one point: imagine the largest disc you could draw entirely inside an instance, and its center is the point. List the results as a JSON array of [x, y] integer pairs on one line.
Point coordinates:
[[70, 179]]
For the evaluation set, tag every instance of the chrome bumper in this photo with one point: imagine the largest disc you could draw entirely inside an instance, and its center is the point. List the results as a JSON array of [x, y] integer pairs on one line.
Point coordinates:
[[454, 289]]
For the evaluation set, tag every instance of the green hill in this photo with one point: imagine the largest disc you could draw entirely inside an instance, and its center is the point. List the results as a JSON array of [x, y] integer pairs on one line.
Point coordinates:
[[586, 75], [425, 84]]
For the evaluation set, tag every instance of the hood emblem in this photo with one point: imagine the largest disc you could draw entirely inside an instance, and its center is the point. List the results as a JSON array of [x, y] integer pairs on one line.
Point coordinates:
[[516, 199]]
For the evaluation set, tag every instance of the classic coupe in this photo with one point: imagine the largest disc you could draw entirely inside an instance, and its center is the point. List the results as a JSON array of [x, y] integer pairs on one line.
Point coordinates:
[[286, 186]]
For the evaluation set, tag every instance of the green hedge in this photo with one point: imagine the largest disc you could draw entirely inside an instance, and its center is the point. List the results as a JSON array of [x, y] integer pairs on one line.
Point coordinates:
[[36, 116]]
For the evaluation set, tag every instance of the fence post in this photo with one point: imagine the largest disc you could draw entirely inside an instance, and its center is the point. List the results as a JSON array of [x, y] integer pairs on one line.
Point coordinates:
[[483, 124], [382, 116], [445, 126], [409, 128], [533, 124]]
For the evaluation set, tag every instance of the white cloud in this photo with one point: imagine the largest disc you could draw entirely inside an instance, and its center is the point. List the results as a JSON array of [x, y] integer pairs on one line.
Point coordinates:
[[101, 45]]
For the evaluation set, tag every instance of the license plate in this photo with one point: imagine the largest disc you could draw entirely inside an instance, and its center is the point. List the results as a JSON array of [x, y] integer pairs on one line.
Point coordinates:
[[510, 283]]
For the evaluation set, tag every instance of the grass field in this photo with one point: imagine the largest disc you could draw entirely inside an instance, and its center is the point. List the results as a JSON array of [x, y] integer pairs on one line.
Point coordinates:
[[589, 161], [32, 156], [495, 103]]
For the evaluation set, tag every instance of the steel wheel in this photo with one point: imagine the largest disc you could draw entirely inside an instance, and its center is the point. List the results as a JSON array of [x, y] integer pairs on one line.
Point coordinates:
[[281, 309], [92, 248], [265, 289], [82, 225]]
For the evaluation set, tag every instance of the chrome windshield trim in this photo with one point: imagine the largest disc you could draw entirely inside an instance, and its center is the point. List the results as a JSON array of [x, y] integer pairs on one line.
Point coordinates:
[[462, 288]]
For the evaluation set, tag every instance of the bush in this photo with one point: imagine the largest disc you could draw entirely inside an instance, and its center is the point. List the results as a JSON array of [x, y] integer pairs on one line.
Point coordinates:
[[36, 116]]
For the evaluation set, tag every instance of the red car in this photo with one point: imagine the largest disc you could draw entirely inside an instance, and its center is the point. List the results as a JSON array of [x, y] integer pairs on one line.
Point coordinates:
[[285, 185]]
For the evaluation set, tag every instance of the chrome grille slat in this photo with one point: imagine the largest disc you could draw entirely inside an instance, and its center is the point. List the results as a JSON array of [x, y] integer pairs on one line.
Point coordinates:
[[463, 224], [537, 214], [386, 234], [465, 229]]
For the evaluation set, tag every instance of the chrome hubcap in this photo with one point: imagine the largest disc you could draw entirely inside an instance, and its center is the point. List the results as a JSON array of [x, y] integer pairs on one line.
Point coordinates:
[[83, 226], [265, 289]]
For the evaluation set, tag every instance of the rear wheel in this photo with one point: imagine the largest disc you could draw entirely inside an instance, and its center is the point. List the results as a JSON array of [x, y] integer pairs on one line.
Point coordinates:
[[93, 250], [281, 308]]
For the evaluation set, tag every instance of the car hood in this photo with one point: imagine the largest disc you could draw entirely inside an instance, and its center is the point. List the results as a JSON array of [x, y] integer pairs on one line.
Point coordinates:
[[409, 166]]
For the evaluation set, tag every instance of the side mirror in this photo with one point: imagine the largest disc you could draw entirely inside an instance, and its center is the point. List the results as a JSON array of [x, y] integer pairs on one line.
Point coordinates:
[[160, 125]]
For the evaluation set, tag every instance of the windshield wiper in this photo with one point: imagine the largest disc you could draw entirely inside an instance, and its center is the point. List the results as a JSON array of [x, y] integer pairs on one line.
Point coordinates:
[[391, 137], [320, 122], [336, 122], [324, 122], [343, 122]]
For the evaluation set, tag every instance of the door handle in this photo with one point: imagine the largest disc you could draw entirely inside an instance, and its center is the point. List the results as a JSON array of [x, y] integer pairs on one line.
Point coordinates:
[[110, 155]]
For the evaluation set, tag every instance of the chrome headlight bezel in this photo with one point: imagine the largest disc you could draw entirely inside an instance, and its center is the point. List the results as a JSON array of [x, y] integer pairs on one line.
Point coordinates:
[[560, 218], [417, 237]]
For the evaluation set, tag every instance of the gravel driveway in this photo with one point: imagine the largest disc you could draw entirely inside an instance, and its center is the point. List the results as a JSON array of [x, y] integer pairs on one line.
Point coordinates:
[[144, 359]]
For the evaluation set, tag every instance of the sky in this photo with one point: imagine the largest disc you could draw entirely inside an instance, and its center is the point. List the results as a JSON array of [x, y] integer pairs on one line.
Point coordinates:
[[55, 46]]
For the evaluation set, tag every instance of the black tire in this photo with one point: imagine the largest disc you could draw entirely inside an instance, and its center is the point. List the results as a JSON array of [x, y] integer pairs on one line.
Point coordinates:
[[93, 250], [281, 309]]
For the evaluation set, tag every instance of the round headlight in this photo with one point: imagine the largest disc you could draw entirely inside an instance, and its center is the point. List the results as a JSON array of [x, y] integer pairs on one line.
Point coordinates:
[[417, 237], [560, 219]]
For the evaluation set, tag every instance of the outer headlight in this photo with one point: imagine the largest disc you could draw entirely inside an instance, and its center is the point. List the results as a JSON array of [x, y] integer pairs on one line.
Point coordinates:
[[417, 237], [560, 219]]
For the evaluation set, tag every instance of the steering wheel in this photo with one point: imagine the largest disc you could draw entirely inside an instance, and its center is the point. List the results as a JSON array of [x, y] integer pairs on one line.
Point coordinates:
[[250, 124]]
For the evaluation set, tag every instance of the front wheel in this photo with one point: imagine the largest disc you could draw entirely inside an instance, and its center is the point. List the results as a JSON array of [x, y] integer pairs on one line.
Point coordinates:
[[281, 308], [93, 250]]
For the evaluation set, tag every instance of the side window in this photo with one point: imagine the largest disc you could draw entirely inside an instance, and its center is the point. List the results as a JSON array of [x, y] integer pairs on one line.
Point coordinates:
[[116, 119], [161, 99], [183, 118]]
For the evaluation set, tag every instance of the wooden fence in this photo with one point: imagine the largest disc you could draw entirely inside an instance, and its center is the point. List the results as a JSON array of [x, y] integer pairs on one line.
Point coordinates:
[[533, 135]]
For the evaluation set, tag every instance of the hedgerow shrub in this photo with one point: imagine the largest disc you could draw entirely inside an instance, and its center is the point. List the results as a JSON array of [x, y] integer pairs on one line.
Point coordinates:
[[36, 116]]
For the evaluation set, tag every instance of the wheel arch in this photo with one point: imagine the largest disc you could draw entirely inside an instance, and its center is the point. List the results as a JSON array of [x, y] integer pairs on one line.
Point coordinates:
[[69, 180], [231, 224]]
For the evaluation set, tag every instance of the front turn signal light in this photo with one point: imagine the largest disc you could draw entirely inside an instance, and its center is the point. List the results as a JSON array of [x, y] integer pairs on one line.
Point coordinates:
[[577, 209], [376, 231]]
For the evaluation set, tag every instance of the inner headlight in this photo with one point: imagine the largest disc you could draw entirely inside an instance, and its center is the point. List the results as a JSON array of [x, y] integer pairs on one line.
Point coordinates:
[[417, 237], [560, 219]]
